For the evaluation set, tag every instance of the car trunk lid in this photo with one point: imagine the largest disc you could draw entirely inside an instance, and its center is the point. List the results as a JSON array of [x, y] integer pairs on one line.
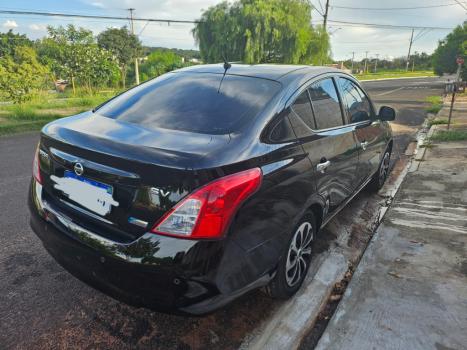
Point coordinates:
[[145, 172]]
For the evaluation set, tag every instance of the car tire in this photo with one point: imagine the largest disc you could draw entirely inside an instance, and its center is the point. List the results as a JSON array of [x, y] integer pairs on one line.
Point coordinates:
[[381, 174], [295, 262]]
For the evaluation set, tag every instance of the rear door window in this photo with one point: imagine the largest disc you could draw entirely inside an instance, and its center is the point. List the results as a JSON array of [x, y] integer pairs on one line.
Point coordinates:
[[326, 105], [357, 103], [202, 103]]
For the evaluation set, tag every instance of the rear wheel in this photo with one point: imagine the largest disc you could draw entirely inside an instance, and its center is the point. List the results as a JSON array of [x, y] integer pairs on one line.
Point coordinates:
[[294, 264], [380, 176]]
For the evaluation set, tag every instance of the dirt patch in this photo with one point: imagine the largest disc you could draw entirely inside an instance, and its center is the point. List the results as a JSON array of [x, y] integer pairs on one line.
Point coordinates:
[[311, 340], [115, 325]]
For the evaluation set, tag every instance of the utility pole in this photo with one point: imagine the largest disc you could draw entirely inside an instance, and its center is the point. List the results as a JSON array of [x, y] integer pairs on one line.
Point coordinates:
[[353, 56], [326, 15], [366, 61], [410, 48], [376, 60], [133, 32]]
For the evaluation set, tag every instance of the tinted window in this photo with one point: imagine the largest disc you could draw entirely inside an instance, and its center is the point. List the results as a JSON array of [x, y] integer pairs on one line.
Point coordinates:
[[325, 104], [356, 101], [282, 131], [303, 109], [193, 102]]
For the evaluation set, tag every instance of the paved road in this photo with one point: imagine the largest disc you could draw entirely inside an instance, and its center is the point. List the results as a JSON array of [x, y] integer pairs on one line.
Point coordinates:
[[407, 96], [42, 306]]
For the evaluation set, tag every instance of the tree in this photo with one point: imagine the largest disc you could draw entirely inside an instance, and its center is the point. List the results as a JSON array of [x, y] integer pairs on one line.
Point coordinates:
[[123, 45], [21, 74], [160, 62], [9, 41], [261, 31], [73, 54], [454, 45]]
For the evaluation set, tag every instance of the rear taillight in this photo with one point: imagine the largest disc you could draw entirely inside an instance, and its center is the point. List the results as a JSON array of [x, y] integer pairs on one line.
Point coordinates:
[[207, 212], [36, 167]]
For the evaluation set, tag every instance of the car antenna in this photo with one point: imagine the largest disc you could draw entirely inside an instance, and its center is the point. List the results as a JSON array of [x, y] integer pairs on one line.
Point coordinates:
[[227, 65]]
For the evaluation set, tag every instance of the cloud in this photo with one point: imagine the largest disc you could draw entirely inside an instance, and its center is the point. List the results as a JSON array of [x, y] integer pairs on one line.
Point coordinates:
[[36, 27], [98, 4], [10, 24]]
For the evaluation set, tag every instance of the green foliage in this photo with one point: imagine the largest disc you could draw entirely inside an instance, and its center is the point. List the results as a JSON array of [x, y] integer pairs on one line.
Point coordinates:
[[159, 62], [9, 41], [187, 54], [454, 45], [437, 122], [21, 74], [436, 103], [261, 31], [385, 74], [450, 135], [44, 107], [123, 45], [72, 54]]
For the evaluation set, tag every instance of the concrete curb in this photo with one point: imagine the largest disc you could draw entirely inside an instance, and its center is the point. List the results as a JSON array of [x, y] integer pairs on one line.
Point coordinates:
[[285, 332], [291, 322]]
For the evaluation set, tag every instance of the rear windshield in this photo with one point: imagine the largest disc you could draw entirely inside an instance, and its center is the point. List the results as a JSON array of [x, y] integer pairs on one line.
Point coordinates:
[[193, 102]]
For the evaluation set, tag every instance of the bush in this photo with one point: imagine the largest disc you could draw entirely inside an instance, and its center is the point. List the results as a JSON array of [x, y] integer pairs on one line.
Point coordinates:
[[21, 75]]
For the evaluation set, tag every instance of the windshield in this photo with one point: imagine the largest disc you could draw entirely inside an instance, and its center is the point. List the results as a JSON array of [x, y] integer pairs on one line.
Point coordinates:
[[193, 102]]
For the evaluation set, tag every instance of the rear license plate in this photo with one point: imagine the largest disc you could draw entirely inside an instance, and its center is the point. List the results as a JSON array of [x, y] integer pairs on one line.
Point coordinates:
[[93, 195]]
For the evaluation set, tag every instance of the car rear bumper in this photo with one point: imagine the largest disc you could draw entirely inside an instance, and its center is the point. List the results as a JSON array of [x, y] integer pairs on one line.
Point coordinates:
[[158, 272]]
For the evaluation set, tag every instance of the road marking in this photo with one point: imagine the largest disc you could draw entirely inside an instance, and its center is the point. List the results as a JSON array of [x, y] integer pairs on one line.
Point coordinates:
[[390, 91]]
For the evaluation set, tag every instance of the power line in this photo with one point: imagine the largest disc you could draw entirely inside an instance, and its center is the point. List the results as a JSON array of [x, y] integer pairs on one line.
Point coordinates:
[[461, 4], [388, 26], [69, 15], [392, 8], [57, 14], [317, 10]]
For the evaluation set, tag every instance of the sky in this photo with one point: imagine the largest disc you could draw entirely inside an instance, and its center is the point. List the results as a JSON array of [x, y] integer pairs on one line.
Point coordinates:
[[382, 43]]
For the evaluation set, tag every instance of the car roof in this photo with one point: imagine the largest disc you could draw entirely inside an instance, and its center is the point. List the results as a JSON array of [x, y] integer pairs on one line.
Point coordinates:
[[266, 71]]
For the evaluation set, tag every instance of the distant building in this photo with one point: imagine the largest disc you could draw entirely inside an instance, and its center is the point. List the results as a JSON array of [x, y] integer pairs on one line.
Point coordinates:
[[340, 66]]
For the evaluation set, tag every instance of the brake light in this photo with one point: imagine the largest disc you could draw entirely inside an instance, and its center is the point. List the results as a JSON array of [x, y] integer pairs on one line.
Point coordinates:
[[207, 212], [36, 166]]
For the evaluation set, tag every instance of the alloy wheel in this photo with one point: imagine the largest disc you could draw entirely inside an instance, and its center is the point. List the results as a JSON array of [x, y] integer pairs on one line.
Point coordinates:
[[384, 168], [299, 254]]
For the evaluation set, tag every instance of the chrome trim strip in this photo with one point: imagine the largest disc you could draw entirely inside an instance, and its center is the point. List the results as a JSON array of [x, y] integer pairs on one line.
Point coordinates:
[[84, 211], [85, 235], [66, 157], [138, 222]]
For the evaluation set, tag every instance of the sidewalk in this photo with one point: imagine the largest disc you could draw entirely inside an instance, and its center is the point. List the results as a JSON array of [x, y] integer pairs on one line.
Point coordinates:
[[410, 289]]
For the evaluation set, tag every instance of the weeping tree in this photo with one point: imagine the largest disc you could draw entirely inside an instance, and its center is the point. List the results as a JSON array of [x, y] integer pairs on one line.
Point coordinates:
[[261, 31]]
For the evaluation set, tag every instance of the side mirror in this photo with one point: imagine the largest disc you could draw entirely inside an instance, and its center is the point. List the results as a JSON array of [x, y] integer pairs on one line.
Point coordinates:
[[387, 114]]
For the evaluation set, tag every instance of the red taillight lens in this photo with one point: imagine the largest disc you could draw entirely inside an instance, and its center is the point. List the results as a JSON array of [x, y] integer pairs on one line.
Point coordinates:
[[207, 212], [36, 166]]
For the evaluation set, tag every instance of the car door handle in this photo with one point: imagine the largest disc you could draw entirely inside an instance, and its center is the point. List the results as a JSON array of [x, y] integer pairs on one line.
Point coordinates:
[[364, 144], [321, 167]]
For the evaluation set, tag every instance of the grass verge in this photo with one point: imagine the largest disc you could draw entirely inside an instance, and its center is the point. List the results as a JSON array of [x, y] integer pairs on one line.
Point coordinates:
[[44, 108], [394, 74], [436, 103], [441, 121], [450, 135]]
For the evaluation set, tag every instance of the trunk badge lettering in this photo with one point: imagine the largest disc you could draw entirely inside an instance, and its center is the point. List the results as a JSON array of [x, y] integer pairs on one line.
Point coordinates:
[[158, 191]]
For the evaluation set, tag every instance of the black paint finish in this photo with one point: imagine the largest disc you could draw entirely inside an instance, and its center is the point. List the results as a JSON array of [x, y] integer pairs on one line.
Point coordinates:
[[169, 274]]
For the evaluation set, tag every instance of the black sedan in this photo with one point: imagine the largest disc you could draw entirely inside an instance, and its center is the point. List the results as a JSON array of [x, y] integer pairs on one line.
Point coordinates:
[[191, 189]]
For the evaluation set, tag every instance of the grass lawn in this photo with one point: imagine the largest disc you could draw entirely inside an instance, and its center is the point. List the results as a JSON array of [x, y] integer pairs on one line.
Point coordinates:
[[394, 74], [44, 108], [450, 135], [436, 103]]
